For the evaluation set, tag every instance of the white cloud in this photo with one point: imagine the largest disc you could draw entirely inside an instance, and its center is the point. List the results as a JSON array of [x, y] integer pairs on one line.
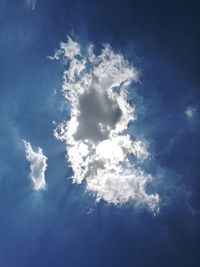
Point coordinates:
[[31, 4], [190, 112], [38, 165], [99, 149]]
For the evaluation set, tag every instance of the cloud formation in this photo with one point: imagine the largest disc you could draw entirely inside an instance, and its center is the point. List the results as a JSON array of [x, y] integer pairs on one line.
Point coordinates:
[[100, 151], [38, 166], [31, 4]]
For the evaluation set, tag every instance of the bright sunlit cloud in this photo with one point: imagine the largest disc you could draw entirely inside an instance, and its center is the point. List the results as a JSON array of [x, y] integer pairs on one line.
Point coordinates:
[[38, 165], [99, 149]]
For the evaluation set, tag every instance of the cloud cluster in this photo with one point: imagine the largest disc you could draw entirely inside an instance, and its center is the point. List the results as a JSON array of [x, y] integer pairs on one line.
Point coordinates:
[[99, 149], [38, 165]]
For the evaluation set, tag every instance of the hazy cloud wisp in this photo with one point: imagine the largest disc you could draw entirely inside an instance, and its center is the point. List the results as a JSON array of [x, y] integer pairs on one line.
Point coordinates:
[[190, 112], [31, 4]]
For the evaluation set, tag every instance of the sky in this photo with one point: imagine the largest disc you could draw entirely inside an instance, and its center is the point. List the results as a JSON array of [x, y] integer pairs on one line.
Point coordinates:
[[99, 136]]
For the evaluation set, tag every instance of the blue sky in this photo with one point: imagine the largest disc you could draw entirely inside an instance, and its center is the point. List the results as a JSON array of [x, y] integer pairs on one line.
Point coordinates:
[[64, 225]]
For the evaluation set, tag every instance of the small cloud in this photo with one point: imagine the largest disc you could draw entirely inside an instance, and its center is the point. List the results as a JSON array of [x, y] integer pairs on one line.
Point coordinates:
[[190, 112], [38, 165], [31, 4]]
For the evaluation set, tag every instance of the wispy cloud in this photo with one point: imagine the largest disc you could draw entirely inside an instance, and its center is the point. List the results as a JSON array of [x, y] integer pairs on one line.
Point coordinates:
[[38, 165], [99, 148], [31, 4], [190, 112]]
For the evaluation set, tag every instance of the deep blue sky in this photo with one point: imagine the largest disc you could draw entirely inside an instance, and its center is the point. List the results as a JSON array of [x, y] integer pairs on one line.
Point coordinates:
[[53, 228]]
